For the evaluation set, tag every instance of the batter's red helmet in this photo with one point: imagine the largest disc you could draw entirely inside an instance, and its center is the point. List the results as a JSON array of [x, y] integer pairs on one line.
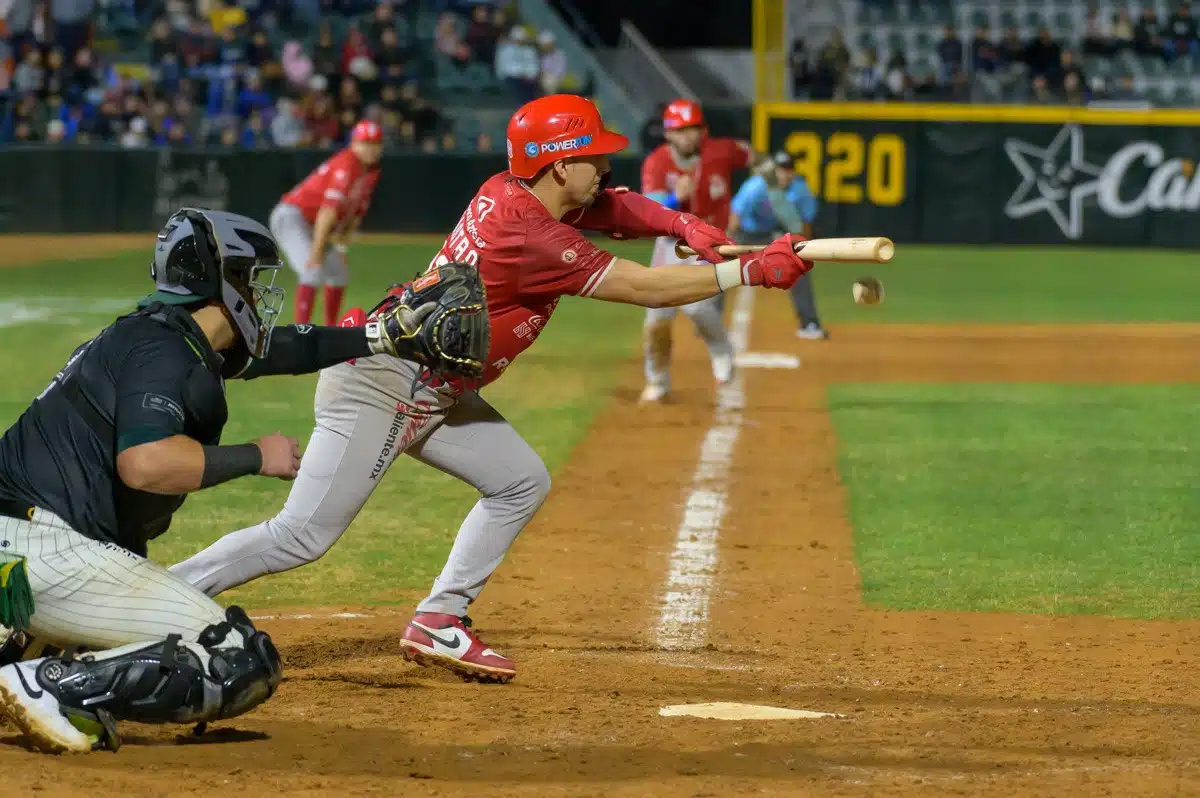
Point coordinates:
[[555, 127], [683, 113]]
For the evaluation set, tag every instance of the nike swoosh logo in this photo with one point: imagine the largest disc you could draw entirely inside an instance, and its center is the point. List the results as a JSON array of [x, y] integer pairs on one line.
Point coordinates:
[[21, 675], [453, 643]]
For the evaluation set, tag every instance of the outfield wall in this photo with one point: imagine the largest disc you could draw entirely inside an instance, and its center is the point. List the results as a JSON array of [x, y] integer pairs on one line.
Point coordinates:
[[976, 174]]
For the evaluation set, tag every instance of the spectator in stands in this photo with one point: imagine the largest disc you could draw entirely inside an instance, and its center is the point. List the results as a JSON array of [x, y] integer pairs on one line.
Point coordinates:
[[483, 143], [1043, 56], [255, 135], [518, 65], [1071, 80], [29, 76], [135, 136], [1122, 31], [31, 112], [553, 63], [56, 131], [1146, 40], [105, 124], [1097, 35], [482, 35], [297, 67], [357, 58], [866, 78], [984, 55], [391, 59], [1011, 51], [253, 97], [383, 21], [188, 118], [24, 133], [72, 19], [55, 81], [231, 49], [322, 124], [449, 142], [896, 81], [286, 128], [833, 62], [1041, 90], [448, 42], [259, 53], [950, 54], [801, 74], [325, 57], [1179, 34], [1074, 91], [349, 98], [162, 40]]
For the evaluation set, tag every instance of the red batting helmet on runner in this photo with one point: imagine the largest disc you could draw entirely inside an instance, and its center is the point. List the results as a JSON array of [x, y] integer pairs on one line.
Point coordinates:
[[683, 113], [367, 130], [555, 127]]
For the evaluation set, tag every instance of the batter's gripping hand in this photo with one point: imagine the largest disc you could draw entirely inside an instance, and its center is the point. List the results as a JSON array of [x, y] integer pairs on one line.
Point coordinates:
[[776, 266], [700, 236], [439, 320]]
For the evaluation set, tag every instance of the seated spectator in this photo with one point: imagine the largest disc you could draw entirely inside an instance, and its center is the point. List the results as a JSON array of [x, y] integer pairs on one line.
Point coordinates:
[[1074, 90], [1122, 31], [447, 40], [1010, 53], [1041, 90], [253, 96], [449, 143], [31, 112], [554, 63], [187, 117], [1043, 55], [177, 136], [162, 40], [321, 123], [29, 76], [297, 67], [228, 137], [1179, 33], [801, 74], [1069, 69], [866, 78], [482, 35], [984, 55], [391, 59], [105, 124], [408, 134], [55, 81], [255, 135], [287, 130], [833, 61], [950, 53], [1097, 35], [517, 65], [179, 14], [231, 50], [25, 133], [135, 136], [259, 53], [383, 21], [56, 132], [357, 58], [1146, 39], [483, 143], [896, 80], [349, 98], [197, 45], [325, 57]]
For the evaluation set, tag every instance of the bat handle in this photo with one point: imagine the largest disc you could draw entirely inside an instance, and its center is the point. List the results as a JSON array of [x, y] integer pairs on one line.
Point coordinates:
[[724, 250]]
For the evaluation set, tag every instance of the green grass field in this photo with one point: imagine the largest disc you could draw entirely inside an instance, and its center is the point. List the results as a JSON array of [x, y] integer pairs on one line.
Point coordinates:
[[1026, 498]]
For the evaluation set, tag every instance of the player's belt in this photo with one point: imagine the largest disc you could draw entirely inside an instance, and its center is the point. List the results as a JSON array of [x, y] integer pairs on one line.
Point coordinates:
[[14, 509]]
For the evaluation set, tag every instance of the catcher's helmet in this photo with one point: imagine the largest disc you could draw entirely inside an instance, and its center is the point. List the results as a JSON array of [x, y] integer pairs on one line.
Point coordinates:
[[681, 114], [204, 255], [556, 127]]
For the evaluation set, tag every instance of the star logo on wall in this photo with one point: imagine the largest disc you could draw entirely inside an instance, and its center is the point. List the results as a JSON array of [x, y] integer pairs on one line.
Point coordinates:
[[1055, 179]]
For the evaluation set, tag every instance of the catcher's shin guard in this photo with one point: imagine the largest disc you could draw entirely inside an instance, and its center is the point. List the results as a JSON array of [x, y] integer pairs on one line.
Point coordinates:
[[230, 669]]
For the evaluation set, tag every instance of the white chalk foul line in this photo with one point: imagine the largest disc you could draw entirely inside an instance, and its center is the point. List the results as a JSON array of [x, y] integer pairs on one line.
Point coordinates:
[[683, 621]]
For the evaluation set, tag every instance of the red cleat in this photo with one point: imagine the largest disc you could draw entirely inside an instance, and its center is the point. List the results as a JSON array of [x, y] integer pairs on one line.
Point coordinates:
[[447, 642]]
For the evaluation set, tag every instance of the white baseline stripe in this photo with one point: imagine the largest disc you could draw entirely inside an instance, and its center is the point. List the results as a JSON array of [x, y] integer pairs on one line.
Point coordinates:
[[683, 622]]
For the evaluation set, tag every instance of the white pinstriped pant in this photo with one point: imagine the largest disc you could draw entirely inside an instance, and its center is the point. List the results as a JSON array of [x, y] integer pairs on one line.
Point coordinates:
[[99, 595]]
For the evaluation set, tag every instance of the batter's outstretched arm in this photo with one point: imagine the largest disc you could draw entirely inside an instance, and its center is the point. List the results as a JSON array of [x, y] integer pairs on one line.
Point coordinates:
[[632, 283]]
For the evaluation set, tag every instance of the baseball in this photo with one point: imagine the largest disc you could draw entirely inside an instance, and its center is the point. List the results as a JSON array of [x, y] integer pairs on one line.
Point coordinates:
[[868, 291]]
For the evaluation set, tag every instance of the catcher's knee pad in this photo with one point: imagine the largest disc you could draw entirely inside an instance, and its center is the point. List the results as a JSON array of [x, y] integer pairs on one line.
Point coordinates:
[[221, 675]]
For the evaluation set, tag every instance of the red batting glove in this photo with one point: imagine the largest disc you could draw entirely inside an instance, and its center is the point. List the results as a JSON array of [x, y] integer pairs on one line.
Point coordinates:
[[700, 236], [777, 266]]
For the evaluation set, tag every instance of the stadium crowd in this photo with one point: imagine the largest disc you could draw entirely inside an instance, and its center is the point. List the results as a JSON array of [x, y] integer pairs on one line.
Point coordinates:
[[258, 73], [1040, 68]]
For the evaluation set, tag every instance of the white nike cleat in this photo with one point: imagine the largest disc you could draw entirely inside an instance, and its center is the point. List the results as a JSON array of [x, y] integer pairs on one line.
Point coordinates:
[[812, 332], [36, 711], [654, 392], [722, 367]]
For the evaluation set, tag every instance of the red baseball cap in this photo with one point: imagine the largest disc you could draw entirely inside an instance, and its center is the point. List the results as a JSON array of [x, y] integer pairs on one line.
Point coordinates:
[[556, 127], [368, 131], [683, 113]]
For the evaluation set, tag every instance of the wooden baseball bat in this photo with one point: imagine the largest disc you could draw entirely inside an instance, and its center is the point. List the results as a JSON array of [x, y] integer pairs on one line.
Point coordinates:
[[875, 249]]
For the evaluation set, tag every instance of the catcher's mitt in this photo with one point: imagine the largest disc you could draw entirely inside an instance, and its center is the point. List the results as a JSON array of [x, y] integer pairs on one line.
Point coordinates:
[[440, 320]]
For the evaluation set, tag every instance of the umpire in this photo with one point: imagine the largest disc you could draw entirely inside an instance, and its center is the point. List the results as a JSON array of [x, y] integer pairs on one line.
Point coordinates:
[[101, 460], [774, 201]]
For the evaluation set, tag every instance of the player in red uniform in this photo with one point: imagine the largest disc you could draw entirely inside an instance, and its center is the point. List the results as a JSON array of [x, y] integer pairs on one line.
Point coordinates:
[[692, 172], [314, 221], [522, 231]]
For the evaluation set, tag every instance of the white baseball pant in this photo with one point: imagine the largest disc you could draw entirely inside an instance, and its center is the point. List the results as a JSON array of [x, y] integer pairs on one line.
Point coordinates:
[[98, 595], [705, 315], [366, 415], [295, 237]]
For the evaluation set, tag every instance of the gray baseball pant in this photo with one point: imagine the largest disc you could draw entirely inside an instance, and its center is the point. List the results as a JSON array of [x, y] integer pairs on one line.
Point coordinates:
[[366, 415]]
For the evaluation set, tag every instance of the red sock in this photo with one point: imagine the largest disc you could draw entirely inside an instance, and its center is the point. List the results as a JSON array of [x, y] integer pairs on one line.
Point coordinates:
[[333, 304], [305, 294]]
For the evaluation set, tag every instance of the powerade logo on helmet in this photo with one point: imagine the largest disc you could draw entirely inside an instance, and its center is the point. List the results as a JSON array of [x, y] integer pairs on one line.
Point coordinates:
[[569, 144], [531, 150]]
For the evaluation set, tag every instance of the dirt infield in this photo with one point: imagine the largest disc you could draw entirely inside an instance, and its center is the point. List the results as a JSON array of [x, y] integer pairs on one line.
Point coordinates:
[[945, 704]]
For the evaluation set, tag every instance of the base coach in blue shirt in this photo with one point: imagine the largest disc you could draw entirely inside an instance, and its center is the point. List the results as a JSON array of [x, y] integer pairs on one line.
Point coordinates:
[[773, 201]]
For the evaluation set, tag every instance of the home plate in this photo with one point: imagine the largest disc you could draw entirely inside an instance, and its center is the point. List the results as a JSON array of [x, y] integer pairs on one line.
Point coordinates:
[[724, 710], [767, 360]]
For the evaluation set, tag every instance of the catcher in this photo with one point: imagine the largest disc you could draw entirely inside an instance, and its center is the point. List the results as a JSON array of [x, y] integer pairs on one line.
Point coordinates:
[[99, 463]]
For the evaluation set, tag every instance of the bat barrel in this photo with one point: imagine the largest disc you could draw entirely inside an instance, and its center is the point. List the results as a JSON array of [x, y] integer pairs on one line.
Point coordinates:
[[876, 249]]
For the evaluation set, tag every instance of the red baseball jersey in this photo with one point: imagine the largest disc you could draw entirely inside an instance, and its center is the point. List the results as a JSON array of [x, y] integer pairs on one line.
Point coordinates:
[[711, 172], [342, 182], [527, 259]]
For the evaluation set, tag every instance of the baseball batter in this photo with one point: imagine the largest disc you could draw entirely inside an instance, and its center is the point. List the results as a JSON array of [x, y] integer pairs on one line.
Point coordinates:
[[315, 220], [102, 459], [693, 172], [522, 231]]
